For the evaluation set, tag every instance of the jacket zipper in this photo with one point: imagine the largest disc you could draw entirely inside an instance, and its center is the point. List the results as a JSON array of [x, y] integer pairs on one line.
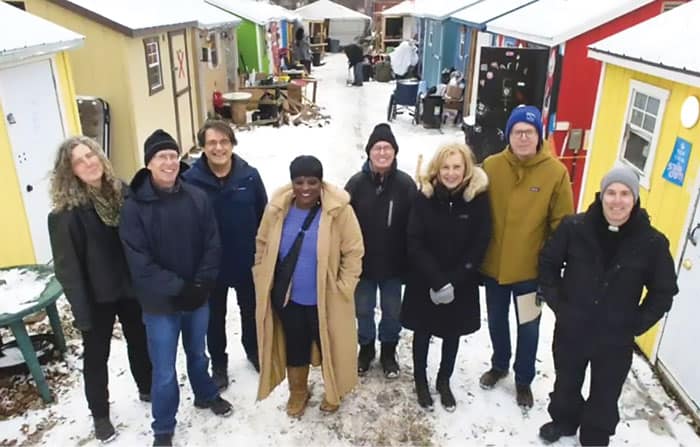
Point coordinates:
[[391, 214]]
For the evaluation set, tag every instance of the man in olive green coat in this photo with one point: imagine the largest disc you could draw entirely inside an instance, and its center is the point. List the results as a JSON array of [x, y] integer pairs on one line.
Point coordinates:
[[530, 192]]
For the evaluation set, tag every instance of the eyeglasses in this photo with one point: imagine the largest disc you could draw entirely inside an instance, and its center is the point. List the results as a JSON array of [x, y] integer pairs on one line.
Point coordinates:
[[214, 143], [387, 148], [527, 133], [166, 156]]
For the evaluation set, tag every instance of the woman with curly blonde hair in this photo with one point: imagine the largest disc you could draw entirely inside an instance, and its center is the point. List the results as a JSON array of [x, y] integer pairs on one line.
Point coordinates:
[[448, 231], [90, 265]]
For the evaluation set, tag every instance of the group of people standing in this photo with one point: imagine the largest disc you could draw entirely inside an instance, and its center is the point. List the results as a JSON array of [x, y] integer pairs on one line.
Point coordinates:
[[308, 266]]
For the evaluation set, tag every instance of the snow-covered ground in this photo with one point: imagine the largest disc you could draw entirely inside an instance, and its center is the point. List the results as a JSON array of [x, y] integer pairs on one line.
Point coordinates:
[[378, 412]]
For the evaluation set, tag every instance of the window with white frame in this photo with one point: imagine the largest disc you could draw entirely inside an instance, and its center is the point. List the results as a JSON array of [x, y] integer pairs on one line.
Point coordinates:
[[645, 111], [153, 68]]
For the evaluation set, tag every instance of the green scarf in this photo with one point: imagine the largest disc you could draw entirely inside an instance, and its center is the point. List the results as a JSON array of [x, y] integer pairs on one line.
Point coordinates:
[[108, 206]]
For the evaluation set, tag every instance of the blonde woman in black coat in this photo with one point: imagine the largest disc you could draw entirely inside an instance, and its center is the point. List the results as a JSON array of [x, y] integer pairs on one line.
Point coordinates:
[[448, 232], [90, 265]]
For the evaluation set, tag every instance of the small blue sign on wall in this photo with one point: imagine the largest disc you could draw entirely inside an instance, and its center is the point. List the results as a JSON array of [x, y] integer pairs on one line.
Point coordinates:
[[678, 163]]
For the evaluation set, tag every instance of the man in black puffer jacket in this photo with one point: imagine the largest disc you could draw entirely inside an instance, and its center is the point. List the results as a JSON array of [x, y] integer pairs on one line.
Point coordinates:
[[609, 254], [381, 196], [171, 241]]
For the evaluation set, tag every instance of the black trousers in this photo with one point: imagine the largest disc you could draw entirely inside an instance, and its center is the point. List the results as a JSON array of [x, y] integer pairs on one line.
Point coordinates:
[[598, 415], [96, 347], [300, 326], [421, 343], [216, 331]]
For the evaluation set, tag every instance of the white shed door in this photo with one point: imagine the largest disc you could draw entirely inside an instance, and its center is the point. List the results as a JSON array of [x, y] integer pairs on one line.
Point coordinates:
[[678, 347], [33, 117]]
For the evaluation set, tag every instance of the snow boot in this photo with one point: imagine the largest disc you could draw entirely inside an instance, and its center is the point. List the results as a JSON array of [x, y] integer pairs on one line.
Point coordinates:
[[219, 406], [328, 407], [552, 431], [388, 360], [491, 377], [593, 436], [145, 397], [365, 357], [298, 377], [524, 396], [447, 399], [220, 377], [104, 430], [163, 440], [423, 392]]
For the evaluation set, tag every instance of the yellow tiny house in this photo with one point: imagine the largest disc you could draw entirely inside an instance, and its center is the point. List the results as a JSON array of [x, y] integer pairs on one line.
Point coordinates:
[[38, 110], [647, 114], [144, 58]]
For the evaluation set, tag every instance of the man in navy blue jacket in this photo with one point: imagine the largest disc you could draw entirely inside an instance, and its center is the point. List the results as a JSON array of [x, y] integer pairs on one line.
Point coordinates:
[[238, 196], [172, 246]]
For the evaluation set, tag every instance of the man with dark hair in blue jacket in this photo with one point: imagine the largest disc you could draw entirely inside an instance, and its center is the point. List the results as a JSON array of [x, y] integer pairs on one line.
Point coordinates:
[[172, 246], [238, 197]]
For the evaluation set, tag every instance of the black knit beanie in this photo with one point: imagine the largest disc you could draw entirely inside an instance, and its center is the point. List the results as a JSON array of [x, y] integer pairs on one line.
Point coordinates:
[[158, 141], [306, 166], [382, 132]]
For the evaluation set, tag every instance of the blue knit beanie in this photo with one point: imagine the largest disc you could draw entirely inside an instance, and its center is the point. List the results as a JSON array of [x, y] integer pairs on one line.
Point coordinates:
[[525, 114]]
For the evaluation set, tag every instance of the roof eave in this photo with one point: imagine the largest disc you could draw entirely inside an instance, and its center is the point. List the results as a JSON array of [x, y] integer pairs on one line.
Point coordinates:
[[548, 41], [19, 54]]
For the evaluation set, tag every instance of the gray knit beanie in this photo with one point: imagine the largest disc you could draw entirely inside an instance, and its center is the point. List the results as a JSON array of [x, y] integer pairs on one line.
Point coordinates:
[[624, 175]]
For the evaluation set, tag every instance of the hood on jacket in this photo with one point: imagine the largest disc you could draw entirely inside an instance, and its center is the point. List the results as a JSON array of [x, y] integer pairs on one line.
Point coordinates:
[[332, 198], [477, 184]]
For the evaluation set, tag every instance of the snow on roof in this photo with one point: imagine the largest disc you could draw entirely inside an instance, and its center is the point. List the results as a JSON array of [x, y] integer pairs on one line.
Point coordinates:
[[479, 13], [551, 22], [326, 9], [132, 16], [675, 33], [254, 11], [45, 37], [431, 9]]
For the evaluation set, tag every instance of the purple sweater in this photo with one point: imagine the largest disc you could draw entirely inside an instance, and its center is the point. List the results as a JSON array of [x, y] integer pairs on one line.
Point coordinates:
[[304, 277]]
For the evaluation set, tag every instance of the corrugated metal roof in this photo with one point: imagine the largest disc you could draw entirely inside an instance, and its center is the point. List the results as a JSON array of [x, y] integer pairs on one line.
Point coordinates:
[[326, 9], [666, 41], [45, 37], [551, 22], [135, 15], [431, 9], [257, 12], [480, 13]]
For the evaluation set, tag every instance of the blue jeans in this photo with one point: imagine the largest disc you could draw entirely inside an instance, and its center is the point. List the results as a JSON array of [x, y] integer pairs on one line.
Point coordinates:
[[163, 332], [498, 298], [366, 301]]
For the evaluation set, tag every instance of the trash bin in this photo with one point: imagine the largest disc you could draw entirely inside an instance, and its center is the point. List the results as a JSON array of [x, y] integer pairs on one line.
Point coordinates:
[[334, 45], [316, 59], [432, 112]]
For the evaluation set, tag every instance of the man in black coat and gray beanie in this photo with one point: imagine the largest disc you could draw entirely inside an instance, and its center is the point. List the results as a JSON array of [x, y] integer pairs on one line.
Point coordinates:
[[609, 254], [381, 196], [171, 242]]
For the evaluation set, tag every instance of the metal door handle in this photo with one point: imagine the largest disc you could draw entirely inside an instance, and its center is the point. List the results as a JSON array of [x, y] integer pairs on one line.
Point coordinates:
[[692, 237]]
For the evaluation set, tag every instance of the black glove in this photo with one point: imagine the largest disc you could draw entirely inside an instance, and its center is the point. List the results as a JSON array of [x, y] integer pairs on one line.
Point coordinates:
[[192, 296]]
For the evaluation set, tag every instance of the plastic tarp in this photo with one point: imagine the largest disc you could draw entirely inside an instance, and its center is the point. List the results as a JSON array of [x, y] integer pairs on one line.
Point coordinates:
[[404, 56]]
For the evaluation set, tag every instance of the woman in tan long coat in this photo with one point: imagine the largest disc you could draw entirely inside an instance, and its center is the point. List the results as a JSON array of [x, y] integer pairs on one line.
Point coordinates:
[[317, 323]]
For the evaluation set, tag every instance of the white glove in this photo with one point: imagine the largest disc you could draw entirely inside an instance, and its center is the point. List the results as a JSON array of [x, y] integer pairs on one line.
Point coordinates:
[[443, 296]]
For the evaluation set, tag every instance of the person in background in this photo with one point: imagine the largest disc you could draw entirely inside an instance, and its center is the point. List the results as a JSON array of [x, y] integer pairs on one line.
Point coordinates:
[[609, 255], [530, 193], [238, 197], [381, 196], [315, 323], [355, 62], [448, 231], [302, 49], [171, 241], [90, 265]]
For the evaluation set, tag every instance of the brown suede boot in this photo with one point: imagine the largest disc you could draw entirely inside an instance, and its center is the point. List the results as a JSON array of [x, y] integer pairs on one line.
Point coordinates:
[[297, 376], [328, 407]]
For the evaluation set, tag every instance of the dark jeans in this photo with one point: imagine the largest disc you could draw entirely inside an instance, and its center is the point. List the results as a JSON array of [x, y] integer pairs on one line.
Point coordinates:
[[498, 299], [216, 331], [366, 302], [598, 415], [163, 334], [300, 325], [421, 343], [96, 347]]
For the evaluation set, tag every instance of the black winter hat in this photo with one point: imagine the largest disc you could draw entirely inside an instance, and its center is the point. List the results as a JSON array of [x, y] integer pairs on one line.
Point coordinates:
[[382, 132], [158, 141], [306, 166]]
